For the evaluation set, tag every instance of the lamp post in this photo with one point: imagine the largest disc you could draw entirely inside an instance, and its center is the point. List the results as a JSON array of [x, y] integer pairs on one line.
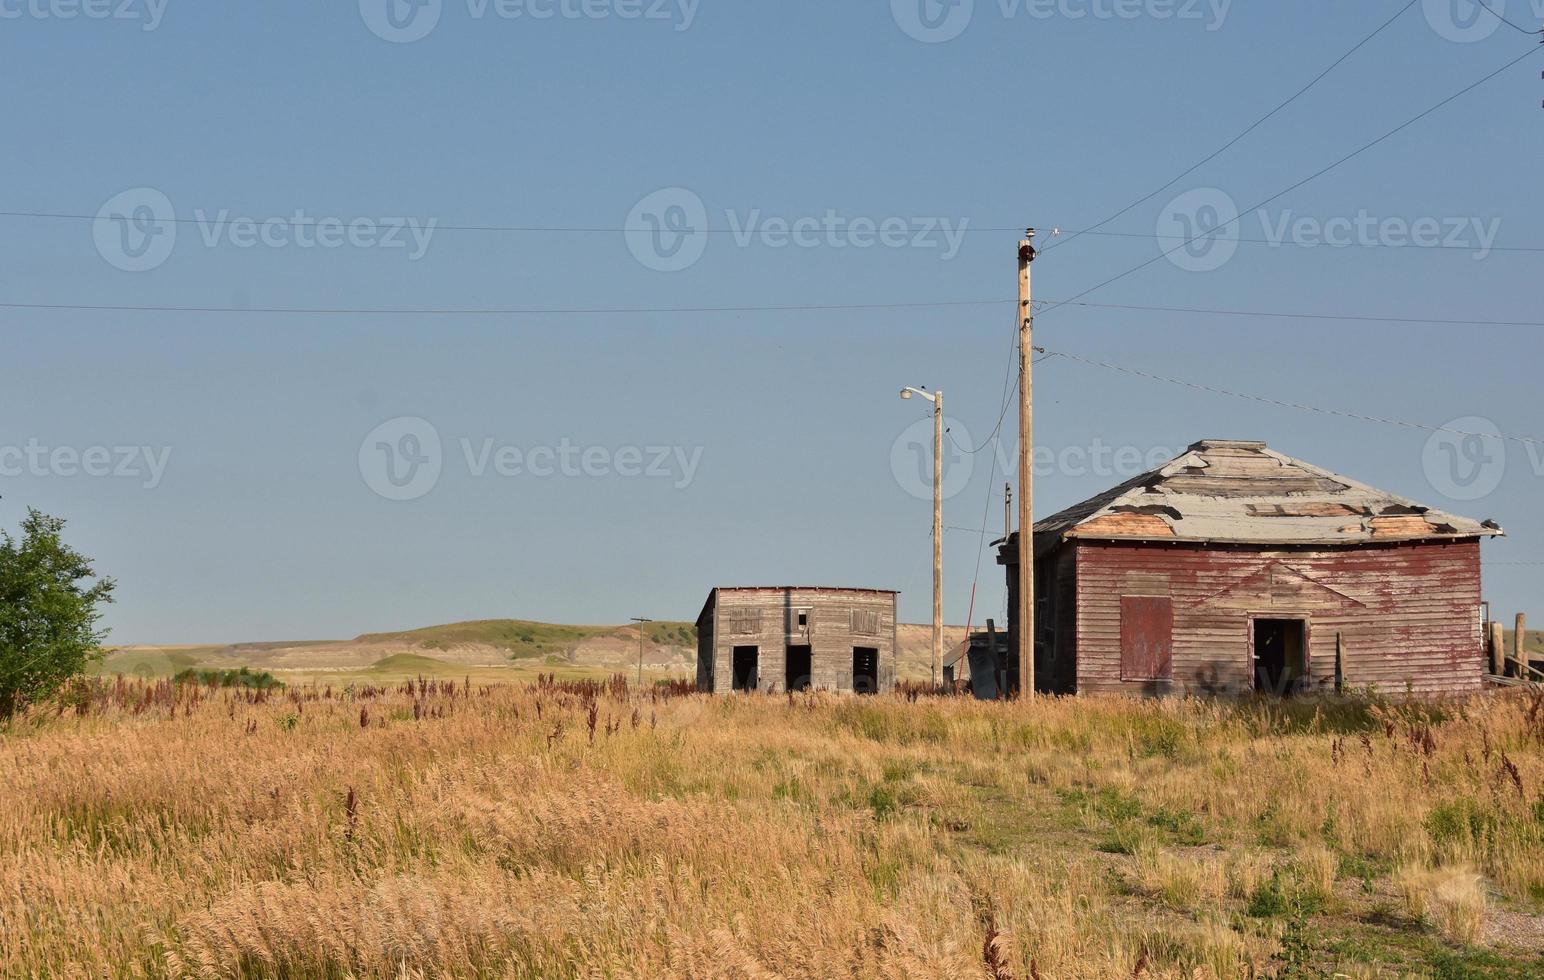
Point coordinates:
[[937, 398], [640, 621]]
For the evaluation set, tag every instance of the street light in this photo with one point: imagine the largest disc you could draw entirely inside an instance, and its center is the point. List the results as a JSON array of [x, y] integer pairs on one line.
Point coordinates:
[[937, 398], [640, 621]]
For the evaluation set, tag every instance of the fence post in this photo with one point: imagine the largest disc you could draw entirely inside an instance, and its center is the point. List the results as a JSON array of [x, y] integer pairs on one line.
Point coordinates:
[[1497, 643], [1340, 663], [1520, 645]]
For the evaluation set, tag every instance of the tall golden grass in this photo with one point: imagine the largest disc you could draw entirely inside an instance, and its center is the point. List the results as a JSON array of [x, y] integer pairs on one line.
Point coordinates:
[[585, 830]]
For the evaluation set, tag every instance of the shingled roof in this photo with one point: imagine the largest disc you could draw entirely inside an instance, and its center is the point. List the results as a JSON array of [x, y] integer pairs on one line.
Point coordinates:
[[1225, 491]]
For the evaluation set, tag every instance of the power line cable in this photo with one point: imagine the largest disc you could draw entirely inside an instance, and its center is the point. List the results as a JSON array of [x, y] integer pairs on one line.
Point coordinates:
[[1497, 14], [1284, 243], [964, 229], [489, 311], [1299, 406], [1314, 176], [1251, 128], [1303, 316], [1041, 305]]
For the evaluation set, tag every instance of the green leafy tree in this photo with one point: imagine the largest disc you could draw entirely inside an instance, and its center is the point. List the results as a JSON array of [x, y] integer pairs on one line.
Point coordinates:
[[48, 612]]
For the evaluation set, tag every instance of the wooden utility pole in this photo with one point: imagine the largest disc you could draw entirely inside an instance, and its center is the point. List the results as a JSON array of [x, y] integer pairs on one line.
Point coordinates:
[[938, 534], [1026, 551]]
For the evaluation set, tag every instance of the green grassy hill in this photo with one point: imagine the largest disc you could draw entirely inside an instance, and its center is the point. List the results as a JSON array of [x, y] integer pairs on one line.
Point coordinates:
[[526, 639], [407, 662], [153, 662]]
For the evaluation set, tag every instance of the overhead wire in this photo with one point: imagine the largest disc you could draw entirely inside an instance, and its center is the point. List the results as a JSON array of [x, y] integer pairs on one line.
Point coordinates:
[[1247, 130], [1312, 177], [1283, 403]]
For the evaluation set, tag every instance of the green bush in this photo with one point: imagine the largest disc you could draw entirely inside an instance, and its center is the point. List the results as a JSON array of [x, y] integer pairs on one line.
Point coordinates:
[[246, 677]]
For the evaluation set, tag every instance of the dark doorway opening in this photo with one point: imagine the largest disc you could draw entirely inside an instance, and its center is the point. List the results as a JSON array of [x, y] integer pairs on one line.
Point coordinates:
[[865, 670], [1280, 663], [797, 672], [743, 675]]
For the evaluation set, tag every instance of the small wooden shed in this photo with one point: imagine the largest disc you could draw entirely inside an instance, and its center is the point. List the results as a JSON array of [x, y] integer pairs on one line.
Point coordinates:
[[791, 638], [1235, 569]]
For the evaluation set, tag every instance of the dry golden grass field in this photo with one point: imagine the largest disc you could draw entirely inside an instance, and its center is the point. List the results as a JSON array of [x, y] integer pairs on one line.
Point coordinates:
[[566, 829]]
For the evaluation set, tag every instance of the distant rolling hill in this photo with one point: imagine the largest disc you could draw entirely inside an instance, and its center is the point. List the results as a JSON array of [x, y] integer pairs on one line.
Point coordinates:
[[670, 649]]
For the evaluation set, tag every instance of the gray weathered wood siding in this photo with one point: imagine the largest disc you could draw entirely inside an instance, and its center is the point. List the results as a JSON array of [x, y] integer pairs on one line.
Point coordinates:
[[838, 620], [1409, 612]]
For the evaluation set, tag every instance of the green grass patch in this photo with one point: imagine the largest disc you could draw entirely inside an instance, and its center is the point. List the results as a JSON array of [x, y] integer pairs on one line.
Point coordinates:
[[1396, 950], [398, 662]]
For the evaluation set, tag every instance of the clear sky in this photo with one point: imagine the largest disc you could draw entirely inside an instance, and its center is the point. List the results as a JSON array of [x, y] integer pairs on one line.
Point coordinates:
[[596, 466]]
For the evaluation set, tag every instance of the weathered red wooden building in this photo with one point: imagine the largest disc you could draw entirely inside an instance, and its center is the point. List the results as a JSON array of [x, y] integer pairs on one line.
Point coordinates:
[[1233, 568]]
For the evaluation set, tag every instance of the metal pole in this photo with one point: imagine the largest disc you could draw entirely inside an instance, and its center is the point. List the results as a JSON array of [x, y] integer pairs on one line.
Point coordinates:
[[640, 621], [938, 534], [1026, 550]]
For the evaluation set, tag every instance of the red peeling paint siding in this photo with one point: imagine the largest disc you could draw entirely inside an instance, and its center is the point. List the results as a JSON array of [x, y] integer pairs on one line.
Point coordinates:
[[1409, 613]]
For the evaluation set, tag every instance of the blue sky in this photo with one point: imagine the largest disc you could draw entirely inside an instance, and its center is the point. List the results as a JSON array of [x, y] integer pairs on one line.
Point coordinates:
[[747, 447]]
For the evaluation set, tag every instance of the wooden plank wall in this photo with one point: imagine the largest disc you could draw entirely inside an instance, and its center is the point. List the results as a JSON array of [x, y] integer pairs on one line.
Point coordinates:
[[829, 633], [1409, 613]]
